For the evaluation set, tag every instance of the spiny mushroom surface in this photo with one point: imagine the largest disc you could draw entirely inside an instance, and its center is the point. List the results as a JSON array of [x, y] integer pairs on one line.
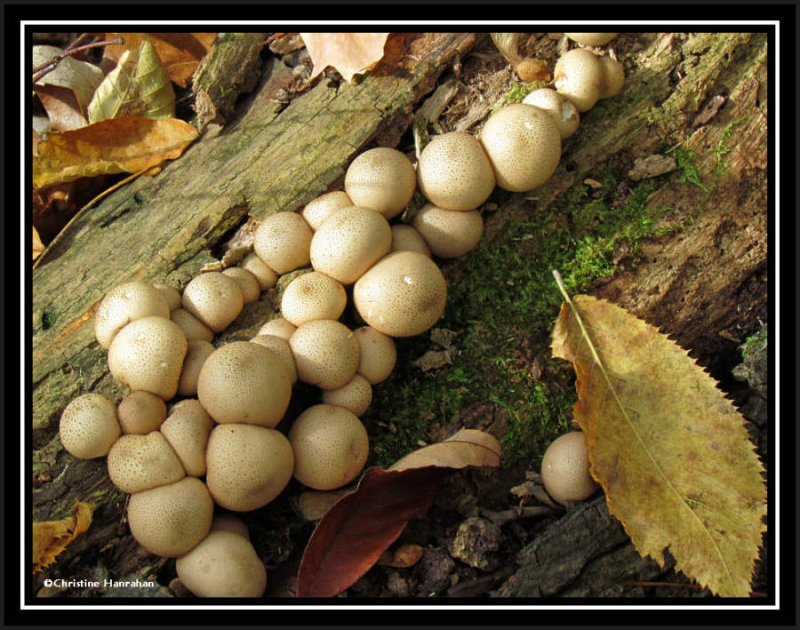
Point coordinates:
[[578, 75], [126, 303], [140, 462], [565, 469], [449, 233], [89, 426], [382, 179], [319, 209], [313, 296], [325, 352], [214, 299], [282, 241], [377, 354], [141, 412]]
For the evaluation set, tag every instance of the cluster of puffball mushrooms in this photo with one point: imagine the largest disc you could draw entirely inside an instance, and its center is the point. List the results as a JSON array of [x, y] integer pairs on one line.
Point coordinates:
[[219, 445]]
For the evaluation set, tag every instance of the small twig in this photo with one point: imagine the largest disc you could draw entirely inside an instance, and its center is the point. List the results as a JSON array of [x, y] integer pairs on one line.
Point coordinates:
[[41, 71], [506, 516]]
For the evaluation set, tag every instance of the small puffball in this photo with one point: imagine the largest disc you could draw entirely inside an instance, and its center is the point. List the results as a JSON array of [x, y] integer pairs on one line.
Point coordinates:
[[140, 462], [248, 283], [350, 242], [454, 172], [591, 39], [170, 294], [196, 356], [322, 207], [248, 465], [224, 564], [313, 296], [214, 299], [377, 356], [89, 426], [405, 238], [244, 382], [330, 446], [278, 327], [355, 396], [325, 352], [382, 179], [126, 303], [524, 146], [148, 355], [186, 430], [266, 277], [282, 241], [449, 233], [141, 412], [578, 76], [281, 348], [613, 77], [193, 328], [230, 523], [560, 108], [170, 520], [565, 469]]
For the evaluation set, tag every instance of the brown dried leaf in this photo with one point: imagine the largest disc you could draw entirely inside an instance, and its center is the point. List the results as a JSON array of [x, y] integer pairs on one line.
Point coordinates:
[[62, 106], [313, 504], [349, 53], [50, 538], [79, 77], [38, 246], [467, 447]]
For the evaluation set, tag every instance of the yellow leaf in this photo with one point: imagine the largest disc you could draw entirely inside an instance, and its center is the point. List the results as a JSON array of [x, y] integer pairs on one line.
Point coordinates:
[[671, 452], [50, 538], [38, 246], [349, 53], [138, 86], [121, 145], [467, 447]]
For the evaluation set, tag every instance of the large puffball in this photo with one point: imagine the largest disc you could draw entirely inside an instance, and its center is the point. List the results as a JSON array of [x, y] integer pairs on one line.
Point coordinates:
[[382, 179], [325, 352], [282, 241], [213, 298], [313, 296], [377, 356], [187, 429], [140, 462], [449, 233], [126, 303], [319, 209], [89, 426]]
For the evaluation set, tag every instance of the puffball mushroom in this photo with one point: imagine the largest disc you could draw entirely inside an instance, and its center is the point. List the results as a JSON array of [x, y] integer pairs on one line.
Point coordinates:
[[148, 355], [401, 296], [313, 296], [454, 172], [330, 447], [193, 328], [172, 295], [591, 39], [349, 242], [449, 233], [140, 462], [281, 348], [230, 523], [282, 241], [243, 382], [141, 412], [578, 75], [266, 277], [560, 108], [406, 238], [565, 469], [524, 146], [377, 354], [187, 429], [382, 179], [224, 564], [355, 396], [278, 327], [247, 465], [613, 77], [213, 298], [325, 352], [126, 303], [319, 209], [89, 426], [196, 356], [248, 283], [171, 520]]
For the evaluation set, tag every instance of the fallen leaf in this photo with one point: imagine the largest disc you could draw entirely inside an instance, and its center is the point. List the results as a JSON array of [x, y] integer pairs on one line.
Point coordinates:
[[138, 86], [79, 77], [403, 557], [121, 145], [433, 360], [313, 504], [671, 452], [349, 53], [38, 246], [180, 53], [651, 166], [63, 110], [50, 538], [467, 447]]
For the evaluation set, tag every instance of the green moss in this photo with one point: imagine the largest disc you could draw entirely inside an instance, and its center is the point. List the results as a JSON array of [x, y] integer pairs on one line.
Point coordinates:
[[689, 173], [721, 150], [518, 91]]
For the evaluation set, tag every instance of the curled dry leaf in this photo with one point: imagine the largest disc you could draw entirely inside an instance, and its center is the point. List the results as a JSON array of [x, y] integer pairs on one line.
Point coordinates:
[[467, 447], [349, 53], [79, 77], [50, 538], [63, 110], [313, 504]]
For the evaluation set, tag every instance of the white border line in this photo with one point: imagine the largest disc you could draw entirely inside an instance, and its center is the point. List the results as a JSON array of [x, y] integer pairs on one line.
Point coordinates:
[[774, 330]]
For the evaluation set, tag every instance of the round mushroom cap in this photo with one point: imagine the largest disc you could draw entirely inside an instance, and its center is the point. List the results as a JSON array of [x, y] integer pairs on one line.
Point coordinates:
[[170, 520], [282, 241], [230, 523], [140, 462], [126, 303], [403, 295], [214, 299], [313, 296], [578, 76], [248, 465], [591, 39], [196, 356], [248, 283], [330, 447], [244, 382], [224, 564], [319, 209], [186, 430], [382, 179], [278, 327], [172, 295], [148, 355], [266, 277], [355, 396], [613, 77], [565, 469], [193, 328], [280, 347], [454, 172], [405, 238], [141, 412], [325, 352], [350, 242], [561, 109], [524, 146], [89, 426], [449, 234], [377, 356]]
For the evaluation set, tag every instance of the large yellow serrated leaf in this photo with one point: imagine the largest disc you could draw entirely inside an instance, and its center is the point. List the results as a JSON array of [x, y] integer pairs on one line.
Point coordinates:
[[50, 538], [671, 452], [121, 145]]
